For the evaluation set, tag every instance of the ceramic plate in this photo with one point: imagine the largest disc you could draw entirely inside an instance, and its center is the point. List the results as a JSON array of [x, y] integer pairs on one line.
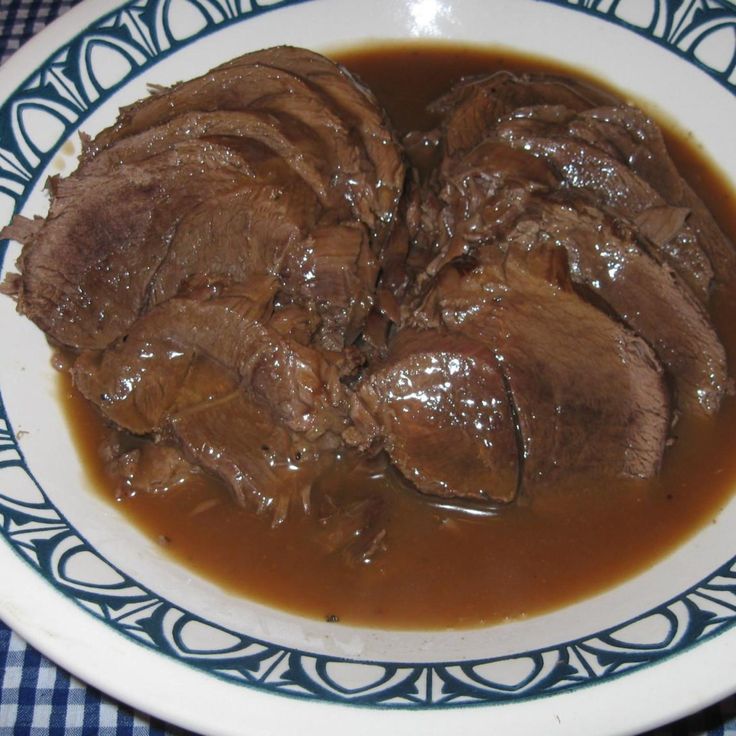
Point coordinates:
[[96, 596]]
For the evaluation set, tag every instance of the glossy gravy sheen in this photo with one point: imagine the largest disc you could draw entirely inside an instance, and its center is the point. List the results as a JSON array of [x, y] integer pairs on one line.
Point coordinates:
[[446, 569]]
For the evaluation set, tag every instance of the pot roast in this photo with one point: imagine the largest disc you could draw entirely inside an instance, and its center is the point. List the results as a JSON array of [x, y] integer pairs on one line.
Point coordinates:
[[252, 280]]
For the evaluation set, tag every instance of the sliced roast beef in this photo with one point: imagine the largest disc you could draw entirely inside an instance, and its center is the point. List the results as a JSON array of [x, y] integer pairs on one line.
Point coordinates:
[[238, 398], [248, 88], [138, 381], [275, 226], [318, 97], [257, 136], [87, 267], [593, 141], [225, 431], [263, 219], [558, 136], [588, 394], [442, 412], [251, 289], [631, 242], [473, 107], [358, 106], [639, 142], [255, 230], [607, 257]]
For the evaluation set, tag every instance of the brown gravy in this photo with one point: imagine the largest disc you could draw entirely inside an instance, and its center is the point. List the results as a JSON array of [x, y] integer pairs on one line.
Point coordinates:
[[448, 570]]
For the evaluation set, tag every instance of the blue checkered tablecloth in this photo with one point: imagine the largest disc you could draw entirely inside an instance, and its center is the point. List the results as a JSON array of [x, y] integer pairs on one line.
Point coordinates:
[[36, 697], [20, 20]]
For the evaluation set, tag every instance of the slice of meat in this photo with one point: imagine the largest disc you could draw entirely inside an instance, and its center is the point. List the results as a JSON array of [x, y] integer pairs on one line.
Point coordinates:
[[214, 425], [589, 395], [87, 267], [140, 383], [240, 440], [358, 106], [473, 107], [271, 224], [639, 142], [257, 229], [370, 183], [443, 414], [137, 382], [246, 88], [255, 135], [562, 139], [237, 398], [606, 257], [594, 142], [489, 199]]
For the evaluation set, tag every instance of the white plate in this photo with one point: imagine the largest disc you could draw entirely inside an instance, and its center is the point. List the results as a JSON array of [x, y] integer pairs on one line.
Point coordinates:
[[98, 598]]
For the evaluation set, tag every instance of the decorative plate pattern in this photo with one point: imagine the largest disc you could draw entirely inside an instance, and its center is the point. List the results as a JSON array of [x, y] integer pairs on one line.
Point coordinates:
[[701, 31], [34, 122]]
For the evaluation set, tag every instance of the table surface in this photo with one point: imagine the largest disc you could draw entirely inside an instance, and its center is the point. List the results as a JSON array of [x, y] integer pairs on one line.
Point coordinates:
[[36, 697]]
